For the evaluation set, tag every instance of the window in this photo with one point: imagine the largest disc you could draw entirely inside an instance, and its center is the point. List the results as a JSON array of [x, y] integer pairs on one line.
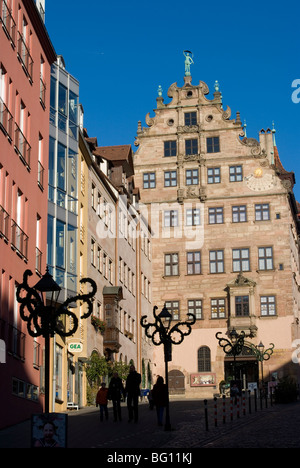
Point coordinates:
[[190, 118], [173, 308], [204, 360], [216, 261], [235, 173], [218, 309], [267, 306], [62, 107], [265, 258], [149, 180], [195, 307], [213, 144], [193, 263], [240, 260], [191, 177], [170, 148], [191, 146], [262, 212], [73, 114], [170, 178], [215, 215], [242, 306], [171, 218], [213, 175], [60, 244], [171, 264], [193, 217], [239, 214], [61, 175]]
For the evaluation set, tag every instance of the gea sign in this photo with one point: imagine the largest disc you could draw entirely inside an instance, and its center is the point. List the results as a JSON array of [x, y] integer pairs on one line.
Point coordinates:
[[75, 347]]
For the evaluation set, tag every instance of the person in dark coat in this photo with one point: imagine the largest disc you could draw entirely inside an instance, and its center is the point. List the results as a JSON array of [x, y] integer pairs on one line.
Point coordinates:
[[115, 393], [132, 390], [160, 398]]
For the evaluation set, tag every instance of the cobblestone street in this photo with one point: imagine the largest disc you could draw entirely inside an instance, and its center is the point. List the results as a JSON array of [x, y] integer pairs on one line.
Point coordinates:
[[275, 426]]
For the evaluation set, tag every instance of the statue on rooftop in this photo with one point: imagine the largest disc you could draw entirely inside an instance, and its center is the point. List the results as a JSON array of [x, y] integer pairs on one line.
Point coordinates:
[[188, 61]]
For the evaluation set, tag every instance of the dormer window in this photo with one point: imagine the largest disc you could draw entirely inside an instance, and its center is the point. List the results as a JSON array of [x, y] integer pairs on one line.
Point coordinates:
[[190, 118]]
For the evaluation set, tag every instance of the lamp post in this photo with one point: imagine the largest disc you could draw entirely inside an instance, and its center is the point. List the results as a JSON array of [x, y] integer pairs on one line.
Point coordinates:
[[160, 332], [44, 317], [262, 355], [233, 346]]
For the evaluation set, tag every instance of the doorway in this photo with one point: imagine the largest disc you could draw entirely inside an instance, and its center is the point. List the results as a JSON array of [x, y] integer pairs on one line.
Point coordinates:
[[176, 382], [246, 371]]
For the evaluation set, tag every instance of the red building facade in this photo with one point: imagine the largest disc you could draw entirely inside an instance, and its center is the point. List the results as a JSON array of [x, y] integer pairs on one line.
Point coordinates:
[[26, 55]]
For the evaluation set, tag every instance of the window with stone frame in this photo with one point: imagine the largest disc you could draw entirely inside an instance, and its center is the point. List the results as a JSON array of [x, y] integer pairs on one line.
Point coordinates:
[[191, 146], [235, 173], [218, 307], [214, 175], [170, 148], [190, 118], [192, 217], [170, 218], [204, 359], [262, 212], [213, 144], [242, 306], [173, 308], [239, 214], [193, 263], [215, 215], [192, 177], [267, 306], [149, 180], [241, 259], [216, 261], [170, 178], [171, 264], [265, 258], [195, 307]]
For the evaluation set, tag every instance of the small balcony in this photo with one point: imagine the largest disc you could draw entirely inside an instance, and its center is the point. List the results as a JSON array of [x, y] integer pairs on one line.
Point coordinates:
[[6, 120], [4, 223], [19, 240], [111, 339], [22, 146]]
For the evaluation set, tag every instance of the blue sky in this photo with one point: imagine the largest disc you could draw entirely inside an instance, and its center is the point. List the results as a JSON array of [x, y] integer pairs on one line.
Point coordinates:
[[120, 52]]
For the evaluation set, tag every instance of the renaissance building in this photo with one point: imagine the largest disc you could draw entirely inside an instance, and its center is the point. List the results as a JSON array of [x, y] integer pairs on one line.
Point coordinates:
[[225, 239]]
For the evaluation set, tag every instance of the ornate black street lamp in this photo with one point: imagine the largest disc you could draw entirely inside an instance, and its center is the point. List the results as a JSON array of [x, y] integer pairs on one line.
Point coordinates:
[[262, 355], [44, 317], [161, 333], [232, 347]]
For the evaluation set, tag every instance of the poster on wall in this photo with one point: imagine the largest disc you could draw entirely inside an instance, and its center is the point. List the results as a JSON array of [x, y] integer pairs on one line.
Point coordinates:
[[203, 379], [49, 430]]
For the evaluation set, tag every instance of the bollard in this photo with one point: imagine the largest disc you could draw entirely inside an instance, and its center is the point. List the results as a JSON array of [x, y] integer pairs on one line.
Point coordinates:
[[255, 399], [271, 396], [231, 408], [249, 401], [260, 398], [238, 407], [224, 410], [244, 404], [206, 416], [216, 420]]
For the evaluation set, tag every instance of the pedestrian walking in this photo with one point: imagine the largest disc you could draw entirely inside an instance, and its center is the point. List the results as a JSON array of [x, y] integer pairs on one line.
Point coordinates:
[[115, 393], [132, 390], [102, 401], [160, 398]]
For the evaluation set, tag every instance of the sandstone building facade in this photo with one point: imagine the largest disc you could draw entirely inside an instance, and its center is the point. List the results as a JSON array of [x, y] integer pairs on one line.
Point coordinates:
[[225, 238]]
